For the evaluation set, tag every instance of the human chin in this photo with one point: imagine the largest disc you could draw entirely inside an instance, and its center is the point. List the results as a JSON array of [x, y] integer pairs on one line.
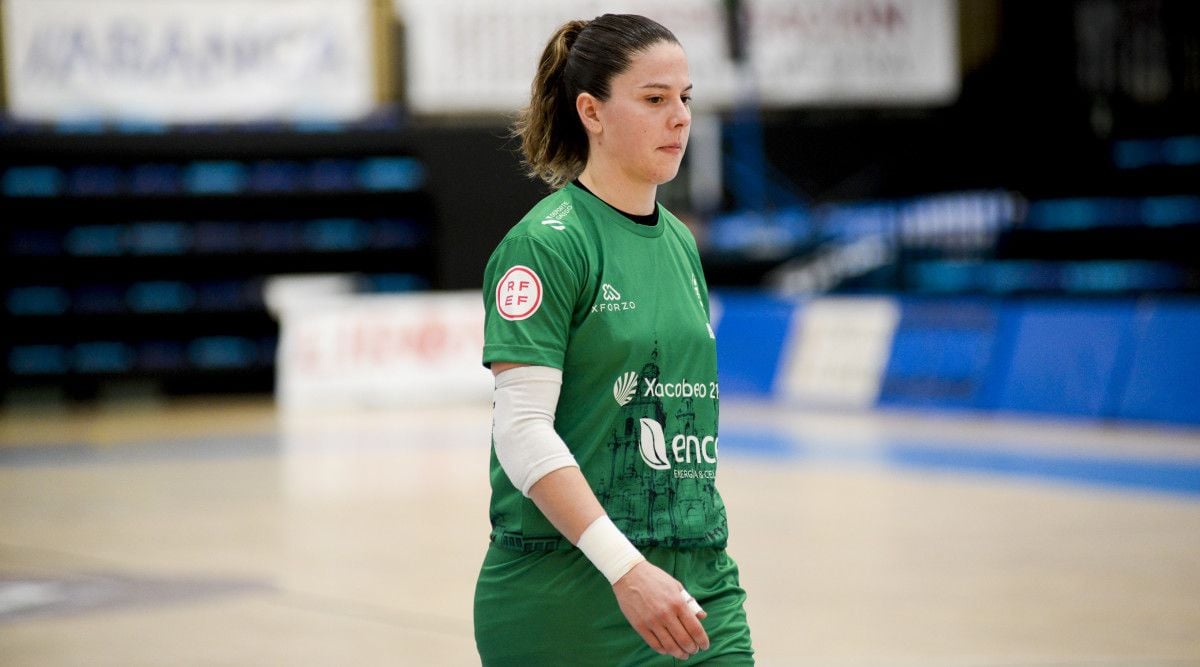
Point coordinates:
[[671, 163], [666, 172]]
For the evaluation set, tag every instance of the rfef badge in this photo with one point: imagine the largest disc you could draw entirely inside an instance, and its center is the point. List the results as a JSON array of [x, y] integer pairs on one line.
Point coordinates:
[[519, 293]]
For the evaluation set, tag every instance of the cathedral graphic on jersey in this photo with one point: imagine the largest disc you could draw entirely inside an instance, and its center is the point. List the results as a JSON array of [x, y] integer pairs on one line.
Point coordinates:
[[655, 507]]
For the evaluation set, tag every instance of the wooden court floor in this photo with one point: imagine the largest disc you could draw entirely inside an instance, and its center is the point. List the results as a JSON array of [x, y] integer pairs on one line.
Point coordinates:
[[223, 533]]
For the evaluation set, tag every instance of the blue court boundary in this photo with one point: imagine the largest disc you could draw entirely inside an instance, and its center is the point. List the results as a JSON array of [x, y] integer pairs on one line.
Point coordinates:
[[1174, 477]]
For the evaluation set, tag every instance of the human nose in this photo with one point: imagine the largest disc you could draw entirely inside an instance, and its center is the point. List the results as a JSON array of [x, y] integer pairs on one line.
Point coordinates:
[[681, 115]]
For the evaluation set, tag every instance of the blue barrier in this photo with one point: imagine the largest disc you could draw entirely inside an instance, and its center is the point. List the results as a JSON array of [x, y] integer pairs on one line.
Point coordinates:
[[1164, 373], [1125, 359], [941, 355], [1067, 358], [751, 336]]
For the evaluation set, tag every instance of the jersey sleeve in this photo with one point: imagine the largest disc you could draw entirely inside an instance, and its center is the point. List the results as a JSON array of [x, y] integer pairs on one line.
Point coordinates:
[[529, 295]]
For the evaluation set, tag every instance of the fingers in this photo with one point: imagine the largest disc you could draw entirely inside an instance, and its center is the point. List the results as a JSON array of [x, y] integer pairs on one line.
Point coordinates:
[[676, 633], [696, 631], [679, 633], [665, 616], [669, 646], [651, 640], [690, 620], [683, 638]]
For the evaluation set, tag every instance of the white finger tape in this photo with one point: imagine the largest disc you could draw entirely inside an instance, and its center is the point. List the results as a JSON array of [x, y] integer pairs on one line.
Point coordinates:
[[693, 606]]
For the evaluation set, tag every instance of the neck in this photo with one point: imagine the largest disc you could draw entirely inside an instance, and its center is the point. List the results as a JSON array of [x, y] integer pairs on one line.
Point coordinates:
[[619, 191]]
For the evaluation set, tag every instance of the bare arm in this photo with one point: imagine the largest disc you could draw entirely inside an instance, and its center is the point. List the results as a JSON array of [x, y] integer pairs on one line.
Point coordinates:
[[648, 596]]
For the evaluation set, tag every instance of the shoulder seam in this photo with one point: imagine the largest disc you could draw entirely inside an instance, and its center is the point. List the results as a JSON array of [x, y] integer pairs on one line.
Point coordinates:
[[543, 246]]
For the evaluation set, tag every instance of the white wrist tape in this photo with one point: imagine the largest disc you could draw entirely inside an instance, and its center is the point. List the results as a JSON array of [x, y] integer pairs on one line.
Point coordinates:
[[609, 550], [523, 425]]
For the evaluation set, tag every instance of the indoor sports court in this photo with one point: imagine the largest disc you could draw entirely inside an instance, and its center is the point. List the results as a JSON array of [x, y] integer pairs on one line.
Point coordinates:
[[217, 533], [952, 268]]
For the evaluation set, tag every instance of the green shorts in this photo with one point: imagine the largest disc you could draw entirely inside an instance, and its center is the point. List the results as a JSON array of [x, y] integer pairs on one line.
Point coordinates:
[[555, 608]]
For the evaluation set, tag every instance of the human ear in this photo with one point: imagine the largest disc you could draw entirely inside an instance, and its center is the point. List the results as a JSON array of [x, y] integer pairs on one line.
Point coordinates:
[[588, 108]]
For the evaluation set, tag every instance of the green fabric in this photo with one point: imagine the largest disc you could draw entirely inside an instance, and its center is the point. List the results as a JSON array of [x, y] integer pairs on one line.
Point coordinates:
[[555, 608], [623, 310]]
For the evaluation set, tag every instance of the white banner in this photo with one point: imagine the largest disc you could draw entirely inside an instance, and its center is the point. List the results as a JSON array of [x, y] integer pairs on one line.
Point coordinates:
[[480, 55], [382, 350], [837, 351], [188, 61]]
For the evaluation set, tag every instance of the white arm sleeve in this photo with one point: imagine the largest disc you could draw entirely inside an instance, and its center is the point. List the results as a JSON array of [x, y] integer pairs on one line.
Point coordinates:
[[523, 425]]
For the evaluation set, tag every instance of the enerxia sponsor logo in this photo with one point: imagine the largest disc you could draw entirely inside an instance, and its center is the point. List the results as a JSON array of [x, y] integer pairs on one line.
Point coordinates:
[[684, 449], [654, 445]]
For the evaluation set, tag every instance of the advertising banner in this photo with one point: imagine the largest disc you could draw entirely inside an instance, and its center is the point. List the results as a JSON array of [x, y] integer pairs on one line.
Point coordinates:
[[478, 55], [188, 61], [382, 351]]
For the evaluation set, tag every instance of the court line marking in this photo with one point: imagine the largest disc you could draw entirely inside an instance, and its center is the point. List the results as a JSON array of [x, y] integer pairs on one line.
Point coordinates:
[[1175, 477]]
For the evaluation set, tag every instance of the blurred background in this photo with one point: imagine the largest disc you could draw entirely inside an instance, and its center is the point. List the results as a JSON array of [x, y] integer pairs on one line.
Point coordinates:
[[161, 164], [254, 231]]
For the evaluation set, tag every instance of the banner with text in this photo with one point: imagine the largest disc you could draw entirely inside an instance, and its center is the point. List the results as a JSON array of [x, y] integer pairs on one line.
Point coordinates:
[[382, 351], [479, 56], [188, 61]]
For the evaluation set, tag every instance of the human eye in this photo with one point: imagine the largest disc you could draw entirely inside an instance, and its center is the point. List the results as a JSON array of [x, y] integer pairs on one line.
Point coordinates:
[[654, 99], [687, 99]]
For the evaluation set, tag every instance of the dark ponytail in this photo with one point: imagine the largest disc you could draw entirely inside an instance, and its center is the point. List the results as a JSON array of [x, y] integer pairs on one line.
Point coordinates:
[[581, 57]]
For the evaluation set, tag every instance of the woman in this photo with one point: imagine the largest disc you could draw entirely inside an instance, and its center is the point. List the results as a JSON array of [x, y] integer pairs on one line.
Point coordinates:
[[608, 533]]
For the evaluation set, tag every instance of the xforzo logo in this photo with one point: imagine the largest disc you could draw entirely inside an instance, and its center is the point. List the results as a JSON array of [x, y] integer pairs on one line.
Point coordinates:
[[684, 448], [612, 301]]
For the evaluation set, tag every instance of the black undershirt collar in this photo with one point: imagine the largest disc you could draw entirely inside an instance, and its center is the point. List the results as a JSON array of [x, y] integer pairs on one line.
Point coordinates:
[[649, 220]]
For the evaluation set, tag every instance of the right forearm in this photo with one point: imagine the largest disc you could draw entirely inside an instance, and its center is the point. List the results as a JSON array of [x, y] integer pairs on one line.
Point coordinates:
[[567, 501]]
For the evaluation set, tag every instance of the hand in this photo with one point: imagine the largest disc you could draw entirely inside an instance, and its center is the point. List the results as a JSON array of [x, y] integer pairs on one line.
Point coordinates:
[[650, 600]]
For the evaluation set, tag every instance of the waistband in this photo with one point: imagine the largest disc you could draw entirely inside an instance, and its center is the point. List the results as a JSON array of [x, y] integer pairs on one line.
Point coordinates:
[[516, 542]]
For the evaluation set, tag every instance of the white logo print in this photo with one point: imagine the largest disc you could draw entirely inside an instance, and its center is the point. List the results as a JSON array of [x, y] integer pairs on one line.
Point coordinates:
[[684, 449], [700, 302], [555, 219], [654, 445], [612, 301], [625, 387]]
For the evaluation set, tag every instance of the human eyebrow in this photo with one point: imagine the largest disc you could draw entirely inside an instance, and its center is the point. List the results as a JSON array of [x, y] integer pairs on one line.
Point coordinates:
[[664, 86]]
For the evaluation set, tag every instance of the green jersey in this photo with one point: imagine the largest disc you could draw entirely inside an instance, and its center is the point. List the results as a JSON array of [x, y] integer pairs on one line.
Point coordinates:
[[623, 310]]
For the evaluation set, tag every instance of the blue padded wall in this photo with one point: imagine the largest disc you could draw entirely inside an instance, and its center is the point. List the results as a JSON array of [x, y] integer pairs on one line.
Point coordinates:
[[942, 351], [751, 335], [1068, 358], [1121, 359], [1164, 377]]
